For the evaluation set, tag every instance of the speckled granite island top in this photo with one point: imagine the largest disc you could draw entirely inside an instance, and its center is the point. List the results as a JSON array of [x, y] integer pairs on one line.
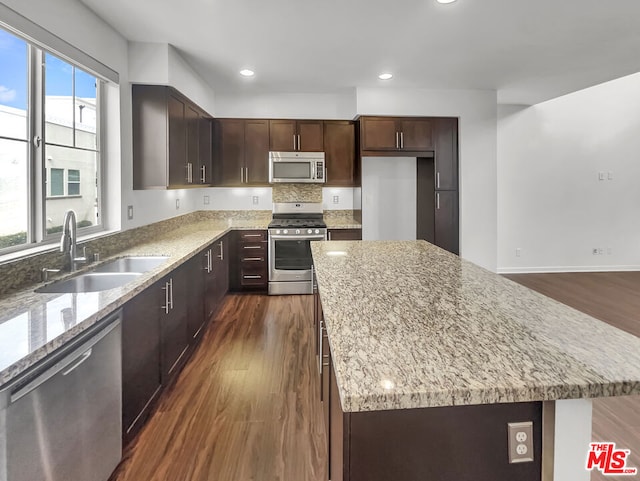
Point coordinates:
[[32, 325], [413, 326]]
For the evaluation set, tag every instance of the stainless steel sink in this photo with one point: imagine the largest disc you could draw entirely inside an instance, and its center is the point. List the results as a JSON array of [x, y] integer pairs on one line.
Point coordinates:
[[138, 264], [90, 282]]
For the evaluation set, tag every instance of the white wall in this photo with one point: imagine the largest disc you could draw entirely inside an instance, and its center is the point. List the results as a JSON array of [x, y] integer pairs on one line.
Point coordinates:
[[552, 205], [389, 192], [287, 106], [477, 113]]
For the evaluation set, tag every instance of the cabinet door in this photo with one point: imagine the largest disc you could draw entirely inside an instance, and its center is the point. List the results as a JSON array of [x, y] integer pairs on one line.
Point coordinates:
[[205, 149], [446, 153], [446, 220], [379, 133], [192, 121], [310, 137], [230, 158], [416, 134], [174, 328], [256, 152], [177, 141], [220, 252], [141, 381], [195, 298], [340, 152], [282, 135]]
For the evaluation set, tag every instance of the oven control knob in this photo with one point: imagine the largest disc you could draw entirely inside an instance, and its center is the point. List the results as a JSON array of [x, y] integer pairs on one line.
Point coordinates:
[[309, 231], [278, 231], [316, 232], [285, 231], [297, 231]]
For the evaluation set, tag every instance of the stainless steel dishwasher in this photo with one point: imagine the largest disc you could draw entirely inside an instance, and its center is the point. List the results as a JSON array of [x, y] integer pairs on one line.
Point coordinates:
[[62, 419]]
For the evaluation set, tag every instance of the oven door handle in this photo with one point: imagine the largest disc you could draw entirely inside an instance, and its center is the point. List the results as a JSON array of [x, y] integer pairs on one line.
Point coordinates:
[[297, 237]]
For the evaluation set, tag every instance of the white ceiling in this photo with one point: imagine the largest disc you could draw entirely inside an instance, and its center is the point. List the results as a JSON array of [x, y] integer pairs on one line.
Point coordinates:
[[527, 50]]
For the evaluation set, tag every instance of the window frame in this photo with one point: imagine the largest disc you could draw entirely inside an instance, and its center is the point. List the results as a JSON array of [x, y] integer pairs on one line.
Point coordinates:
[[37, 194]]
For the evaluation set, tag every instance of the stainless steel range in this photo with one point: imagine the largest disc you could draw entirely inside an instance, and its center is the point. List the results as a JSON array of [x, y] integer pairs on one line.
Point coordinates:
[[294, 225]]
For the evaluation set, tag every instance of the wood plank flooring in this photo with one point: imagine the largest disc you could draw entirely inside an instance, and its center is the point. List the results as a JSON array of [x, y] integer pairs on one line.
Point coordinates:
[[246, 407], [613, 297]]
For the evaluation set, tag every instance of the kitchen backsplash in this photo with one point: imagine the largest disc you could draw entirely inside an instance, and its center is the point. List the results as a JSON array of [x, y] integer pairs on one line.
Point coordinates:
[[297, 193]]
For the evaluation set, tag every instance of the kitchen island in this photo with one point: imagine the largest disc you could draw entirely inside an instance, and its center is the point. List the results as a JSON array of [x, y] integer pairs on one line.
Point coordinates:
[[431, 356]]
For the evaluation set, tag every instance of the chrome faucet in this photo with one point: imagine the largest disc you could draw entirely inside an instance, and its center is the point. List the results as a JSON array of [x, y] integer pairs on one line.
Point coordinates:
[[68, 240]]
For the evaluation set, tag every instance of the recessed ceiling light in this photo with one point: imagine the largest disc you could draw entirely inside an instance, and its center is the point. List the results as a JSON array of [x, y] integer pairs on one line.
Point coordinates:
[[247, 73], [445, 1], [385, 76]]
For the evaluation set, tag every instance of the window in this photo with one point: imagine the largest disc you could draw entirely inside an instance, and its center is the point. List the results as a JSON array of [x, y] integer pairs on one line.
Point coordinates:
[[57, 182], [73, 182], [59, 103]]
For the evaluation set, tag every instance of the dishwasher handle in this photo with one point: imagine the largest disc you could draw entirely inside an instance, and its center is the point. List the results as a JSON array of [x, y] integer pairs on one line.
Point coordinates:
[[67, 364]]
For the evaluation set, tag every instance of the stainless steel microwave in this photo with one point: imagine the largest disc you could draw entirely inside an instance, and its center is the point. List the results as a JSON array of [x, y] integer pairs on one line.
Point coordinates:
[[297, 167]]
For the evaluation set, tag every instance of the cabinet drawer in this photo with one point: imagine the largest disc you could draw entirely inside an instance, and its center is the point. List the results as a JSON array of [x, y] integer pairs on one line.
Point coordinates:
[[253, 276], [252, 249], [251, 258], [252, 235]]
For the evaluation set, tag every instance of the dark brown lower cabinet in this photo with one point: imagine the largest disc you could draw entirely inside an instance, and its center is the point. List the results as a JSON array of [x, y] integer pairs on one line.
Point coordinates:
[[460, 443], [141, 380], [446, 220], [344, 234], [196, 319], [249, 265]]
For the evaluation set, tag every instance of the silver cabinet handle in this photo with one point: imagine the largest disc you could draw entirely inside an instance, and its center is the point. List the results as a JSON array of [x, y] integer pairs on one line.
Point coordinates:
[[402, 140], [252, 259], [329, 235], [251, 235], [299, 143], [252, 277], [246, 175], [241, 175], [294, 142], [252, 247], [166, 306], [221, 256], [203, 178], [437, 200], [208, 256], [312, 274], [397, 140], [438, 180], [187, 167], [171, 292]]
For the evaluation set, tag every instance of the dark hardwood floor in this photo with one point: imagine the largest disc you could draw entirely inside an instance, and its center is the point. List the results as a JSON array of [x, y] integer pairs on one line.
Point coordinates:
[[613, 297], [246, 407]]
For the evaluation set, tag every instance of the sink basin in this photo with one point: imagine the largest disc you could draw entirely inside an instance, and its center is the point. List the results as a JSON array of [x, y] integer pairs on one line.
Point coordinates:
[[90, 282], [138, 264]]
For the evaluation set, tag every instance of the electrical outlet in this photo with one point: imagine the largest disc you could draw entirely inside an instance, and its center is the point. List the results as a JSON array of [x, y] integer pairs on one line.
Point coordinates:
[[255, 199], [129, 212], [518, 251], [520, 442], [600, 175], [177, 203], [610, 175], [336, 199], [595, 251], [206, 200]]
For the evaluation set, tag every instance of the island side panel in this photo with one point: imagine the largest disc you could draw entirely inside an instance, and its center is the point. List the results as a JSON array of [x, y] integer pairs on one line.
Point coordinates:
[[339, 435], [461, 443]]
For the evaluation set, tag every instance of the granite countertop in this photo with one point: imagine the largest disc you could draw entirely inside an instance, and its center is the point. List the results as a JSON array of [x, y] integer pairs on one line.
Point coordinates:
[[32, 325], [411, 325], [343, 224]]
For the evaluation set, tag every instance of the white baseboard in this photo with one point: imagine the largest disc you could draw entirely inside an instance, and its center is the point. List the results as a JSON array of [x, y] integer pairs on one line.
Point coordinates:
[[533, 270]]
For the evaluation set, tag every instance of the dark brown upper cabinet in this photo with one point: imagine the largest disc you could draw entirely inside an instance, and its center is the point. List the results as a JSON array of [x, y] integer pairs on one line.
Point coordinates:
[[340, 152], [171, 140], [445, 139], [296, 135], [242, 156], [394, 135]]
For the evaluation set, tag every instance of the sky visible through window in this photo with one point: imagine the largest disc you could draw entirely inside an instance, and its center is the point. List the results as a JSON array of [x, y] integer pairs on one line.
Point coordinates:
[[13, 74]]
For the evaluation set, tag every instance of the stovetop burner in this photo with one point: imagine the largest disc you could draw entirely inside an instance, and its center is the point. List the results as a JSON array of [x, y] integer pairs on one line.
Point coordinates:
[[287, 223]]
